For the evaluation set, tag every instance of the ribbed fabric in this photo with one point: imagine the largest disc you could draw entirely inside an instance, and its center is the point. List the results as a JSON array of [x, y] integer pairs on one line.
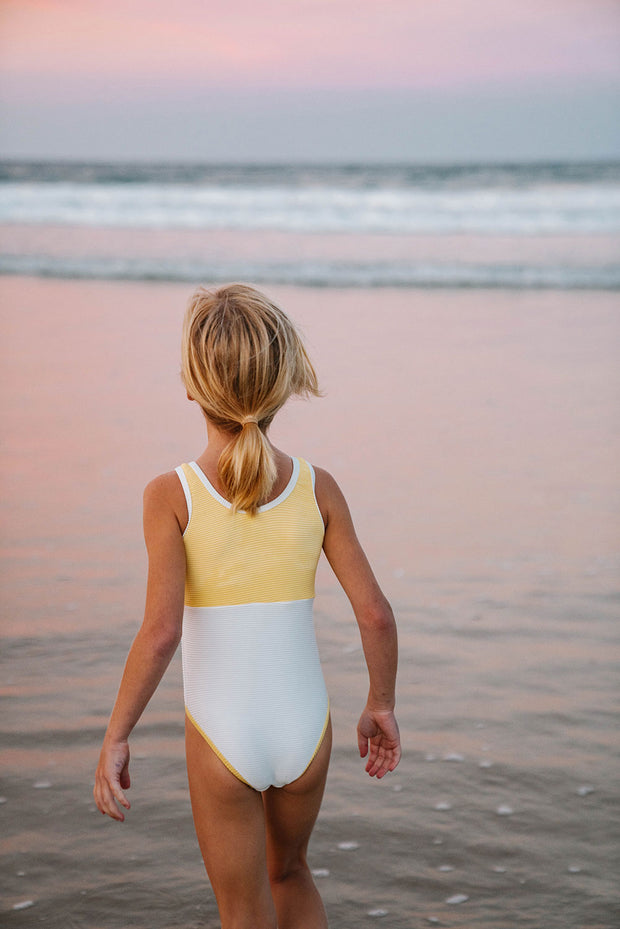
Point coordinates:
[[251, 671]]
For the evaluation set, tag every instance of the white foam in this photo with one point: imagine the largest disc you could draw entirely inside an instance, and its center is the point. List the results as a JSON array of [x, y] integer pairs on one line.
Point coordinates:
[[42, 785], [328, 205], [453, 756], [348, 846], [442, 807], [378, 912], [445, 867], [504, 810], [397, 788], [485, 763], [23, 905], [574, 869], [457, 898], [320, 872], [585, 790], [498, 869], [2, 799]]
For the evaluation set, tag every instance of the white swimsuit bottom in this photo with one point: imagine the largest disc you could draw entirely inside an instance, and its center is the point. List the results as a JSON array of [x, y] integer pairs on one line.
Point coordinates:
[[254, 687]]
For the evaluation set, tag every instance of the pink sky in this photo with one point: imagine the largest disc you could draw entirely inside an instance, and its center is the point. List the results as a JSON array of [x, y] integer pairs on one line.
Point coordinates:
[[395, 79], [310, 43]]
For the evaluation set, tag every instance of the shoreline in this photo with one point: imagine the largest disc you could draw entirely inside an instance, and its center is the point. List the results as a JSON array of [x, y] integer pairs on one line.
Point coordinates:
[[473, 435]]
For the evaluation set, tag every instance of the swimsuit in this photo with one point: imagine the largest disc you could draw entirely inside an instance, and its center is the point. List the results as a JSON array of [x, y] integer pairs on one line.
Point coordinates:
[[252, 678]]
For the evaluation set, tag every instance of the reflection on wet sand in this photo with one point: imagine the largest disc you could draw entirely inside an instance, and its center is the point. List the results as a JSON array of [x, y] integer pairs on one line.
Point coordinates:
[[474, 437]]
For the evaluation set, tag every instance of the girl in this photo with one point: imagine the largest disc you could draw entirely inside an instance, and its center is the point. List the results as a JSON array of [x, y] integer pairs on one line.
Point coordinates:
[[233, 541]]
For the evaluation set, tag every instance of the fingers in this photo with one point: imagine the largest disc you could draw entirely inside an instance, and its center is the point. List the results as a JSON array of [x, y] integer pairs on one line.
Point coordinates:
[[382, 757], [107, 795], [105, 800], [382, 764], [377, 764], [379, 738], [120, 797], [111, 779]]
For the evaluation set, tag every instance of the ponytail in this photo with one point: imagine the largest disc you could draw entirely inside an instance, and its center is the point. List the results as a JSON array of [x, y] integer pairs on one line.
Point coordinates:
[[247, 467], [242, 358]]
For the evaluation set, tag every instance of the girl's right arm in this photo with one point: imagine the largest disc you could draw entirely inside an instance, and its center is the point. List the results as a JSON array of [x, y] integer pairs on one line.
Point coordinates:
[[155, 643], [377, 730]]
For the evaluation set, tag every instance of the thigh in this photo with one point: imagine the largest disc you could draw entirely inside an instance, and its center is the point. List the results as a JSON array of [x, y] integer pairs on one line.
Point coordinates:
[[291, 811], [230, 825]]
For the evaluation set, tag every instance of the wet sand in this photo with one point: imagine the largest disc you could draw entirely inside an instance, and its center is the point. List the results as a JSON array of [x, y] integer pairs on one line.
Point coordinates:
[[476, 437]]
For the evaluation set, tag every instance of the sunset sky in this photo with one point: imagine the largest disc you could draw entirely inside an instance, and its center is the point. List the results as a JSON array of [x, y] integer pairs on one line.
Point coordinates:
[[276, 80]]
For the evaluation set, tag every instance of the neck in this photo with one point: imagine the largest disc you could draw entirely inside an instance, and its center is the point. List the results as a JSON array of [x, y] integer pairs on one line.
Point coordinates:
[[217, 440]]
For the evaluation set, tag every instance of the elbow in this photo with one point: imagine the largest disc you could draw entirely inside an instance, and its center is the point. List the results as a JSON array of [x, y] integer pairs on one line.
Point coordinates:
[[379, 617], [163, 641], [166, 643]]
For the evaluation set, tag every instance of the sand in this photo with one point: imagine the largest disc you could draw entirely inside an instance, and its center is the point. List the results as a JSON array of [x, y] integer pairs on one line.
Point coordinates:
[[475, 435]]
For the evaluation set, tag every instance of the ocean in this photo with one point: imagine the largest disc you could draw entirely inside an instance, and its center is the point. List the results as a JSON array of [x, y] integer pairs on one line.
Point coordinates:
[[465, 326], [343, 226]]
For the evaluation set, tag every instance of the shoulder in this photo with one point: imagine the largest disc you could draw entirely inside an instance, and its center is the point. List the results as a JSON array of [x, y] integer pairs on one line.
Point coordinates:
[[163, 488], [329, 496], [325, 482], [165, 495]]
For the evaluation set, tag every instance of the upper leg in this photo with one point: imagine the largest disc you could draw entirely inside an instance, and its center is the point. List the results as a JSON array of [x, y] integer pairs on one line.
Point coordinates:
[[291, 812], [230, 825]]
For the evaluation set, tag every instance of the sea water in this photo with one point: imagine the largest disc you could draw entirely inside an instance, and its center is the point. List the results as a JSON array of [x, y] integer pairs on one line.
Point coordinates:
[[335, 225], [472, 423]]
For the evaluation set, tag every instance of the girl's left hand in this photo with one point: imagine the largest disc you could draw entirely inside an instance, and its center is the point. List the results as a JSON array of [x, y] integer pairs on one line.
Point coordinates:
[[379, 738], [112, 778]]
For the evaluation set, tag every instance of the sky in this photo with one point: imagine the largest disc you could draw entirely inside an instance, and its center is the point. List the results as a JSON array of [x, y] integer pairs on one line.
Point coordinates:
[[310, 80]]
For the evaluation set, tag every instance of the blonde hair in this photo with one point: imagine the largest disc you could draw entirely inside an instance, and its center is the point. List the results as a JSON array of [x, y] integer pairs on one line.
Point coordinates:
[[242, 358]]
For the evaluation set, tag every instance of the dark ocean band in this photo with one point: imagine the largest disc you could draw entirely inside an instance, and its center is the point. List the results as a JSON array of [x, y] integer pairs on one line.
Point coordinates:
[[320, 274]]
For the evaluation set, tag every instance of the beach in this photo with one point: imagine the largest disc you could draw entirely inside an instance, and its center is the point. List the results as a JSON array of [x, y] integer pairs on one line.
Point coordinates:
[[475, 435]]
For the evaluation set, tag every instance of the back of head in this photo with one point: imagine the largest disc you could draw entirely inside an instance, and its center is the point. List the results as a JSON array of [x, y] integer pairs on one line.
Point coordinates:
[[242, 358]]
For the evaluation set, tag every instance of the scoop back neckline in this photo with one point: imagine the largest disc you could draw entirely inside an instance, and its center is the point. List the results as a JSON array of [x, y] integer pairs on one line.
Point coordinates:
[[261, 509]]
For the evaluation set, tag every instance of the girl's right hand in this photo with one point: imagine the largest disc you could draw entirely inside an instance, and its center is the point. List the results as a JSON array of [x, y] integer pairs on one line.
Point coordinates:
[[379, 738], [112, 778]]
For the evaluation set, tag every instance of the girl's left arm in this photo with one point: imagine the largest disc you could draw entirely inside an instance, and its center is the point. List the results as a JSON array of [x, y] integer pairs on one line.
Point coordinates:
[[155, 643]]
